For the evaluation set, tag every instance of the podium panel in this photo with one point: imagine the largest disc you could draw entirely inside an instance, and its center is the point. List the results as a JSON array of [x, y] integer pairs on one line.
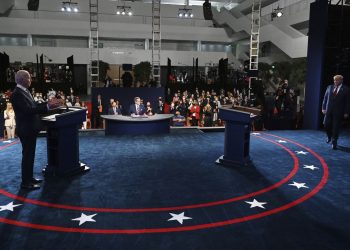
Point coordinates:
[[63, 142], [237, 137]]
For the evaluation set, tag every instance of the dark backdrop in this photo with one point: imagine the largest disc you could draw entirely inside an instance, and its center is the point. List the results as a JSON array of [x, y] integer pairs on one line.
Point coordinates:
[[125, 96], [328, 55]]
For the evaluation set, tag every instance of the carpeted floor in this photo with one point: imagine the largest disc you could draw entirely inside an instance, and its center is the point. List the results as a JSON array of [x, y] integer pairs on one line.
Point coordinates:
[[166, 192]]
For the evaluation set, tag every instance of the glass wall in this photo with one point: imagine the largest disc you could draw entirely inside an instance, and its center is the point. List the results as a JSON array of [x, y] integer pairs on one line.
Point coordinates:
[[178, 45], [60, 41], [215, 47], [13, 40], [105, 42], [121, 43]]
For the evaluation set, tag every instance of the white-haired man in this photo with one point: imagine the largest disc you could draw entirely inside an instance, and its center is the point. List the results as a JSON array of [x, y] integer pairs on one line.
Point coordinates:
[[335, 107], [28, 124]]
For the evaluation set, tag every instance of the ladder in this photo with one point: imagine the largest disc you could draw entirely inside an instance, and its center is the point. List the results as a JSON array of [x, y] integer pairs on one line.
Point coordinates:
[[156, 41], [254, 41], [94, 44]]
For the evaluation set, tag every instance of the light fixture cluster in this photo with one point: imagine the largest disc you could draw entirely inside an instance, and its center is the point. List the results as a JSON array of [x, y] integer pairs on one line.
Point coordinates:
[[70, 7], [185, 13], [276, 13], [124, 10]]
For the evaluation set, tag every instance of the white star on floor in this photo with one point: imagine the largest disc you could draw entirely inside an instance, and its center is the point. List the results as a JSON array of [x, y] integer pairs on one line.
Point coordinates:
[[85, 218], [255, 133], [256, 203], [8, 141], [9, 206], [298, 185], [301, 152], [281, 141], [312, 167], [179, 217]]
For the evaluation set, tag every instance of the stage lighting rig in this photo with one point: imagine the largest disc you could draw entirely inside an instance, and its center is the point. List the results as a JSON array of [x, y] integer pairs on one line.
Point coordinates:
[[124, 10], [278, 12], [70, 6], [185, 13]]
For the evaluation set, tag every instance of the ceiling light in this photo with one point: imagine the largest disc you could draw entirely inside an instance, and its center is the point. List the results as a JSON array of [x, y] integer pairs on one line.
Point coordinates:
[[70, 6], [186, 13], [124, 10], [278, 12]]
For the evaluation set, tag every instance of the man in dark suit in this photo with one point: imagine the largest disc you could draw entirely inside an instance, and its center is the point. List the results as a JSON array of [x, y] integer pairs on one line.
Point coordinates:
[[137, 108], [28, 124], [114, 110], [335, 107]]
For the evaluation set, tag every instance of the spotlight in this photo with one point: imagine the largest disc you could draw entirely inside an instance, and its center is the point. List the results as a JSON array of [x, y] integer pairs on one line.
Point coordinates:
[[124, 10], [186, 13], [278, 12], [69, 7]]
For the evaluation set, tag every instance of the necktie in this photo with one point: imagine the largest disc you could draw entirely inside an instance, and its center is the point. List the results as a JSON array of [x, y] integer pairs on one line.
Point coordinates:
[[27, 91], [335, 91], [138, 109]]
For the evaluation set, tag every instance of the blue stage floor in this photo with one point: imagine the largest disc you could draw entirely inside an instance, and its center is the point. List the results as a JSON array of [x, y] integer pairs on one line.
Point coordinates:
[[166, 192]]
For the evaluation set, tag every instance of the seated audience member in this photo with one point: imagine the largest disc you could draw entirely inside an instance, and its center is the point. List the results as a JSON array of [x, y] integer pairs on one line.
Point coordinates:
[[83, 105], [160, 109], [10, 122], [179, 120], [119, 106], [195, 112], [149, 110], [68, 102], [137, 108], [77, 102], [114, 110], [172, 108], [208, 114]]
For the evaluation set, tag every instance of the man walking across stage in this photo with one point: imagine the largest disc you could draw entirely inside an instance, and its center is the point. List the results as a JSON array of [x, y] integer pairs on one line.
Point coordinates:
[[28, 124], [335, 107]]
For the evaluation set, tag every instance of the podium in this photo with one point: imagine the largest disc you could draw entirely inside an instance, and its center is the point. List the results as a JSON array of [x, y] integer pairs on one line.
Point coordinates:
[[63, 142], [237, 137]]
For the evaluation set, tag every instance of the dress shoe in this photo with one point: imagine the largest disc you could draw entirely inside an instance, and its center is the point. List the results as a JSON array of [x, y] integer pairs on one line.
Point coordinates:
[[30, 186], [328, 140], [334, 145], [36, 181]]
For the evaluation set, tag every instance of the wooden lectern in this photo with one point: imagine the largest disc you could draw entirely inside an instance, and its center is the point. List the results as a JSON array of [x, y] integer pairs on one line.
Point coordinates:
[[63, 142], [237, 137]]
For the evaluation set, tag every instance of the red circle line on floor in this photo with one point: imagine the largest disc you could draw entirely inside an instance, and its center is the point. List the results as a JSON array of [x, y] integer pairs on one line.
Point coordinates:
[[174, 208], [307, 196]]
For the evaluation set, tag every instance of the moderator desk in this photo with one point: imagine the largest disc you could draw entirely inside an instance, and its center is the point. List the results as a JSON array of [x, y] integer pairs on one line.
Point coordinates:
[[127, 125]]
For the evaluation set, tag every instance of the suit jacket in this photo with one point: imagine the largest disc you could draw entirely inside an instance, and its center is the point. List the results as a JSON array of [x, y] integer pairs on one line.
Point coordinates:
[[195, 109], [338, 104], [132, 109], [28, 122], [111, 111]]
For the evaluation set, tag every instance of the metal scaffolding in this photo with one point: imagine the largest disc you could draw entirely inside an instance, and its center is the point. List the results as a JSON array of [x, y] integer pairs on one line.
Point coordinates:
[[94, 44], [254, 41], [156, 41]]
